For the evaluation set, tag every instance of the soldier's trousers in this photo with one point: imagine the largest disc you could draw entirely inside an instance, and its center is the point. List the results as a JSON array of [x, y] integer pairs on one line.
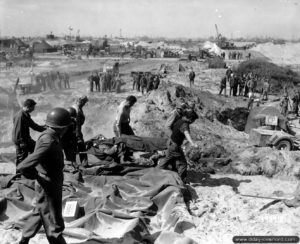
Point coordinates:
[[47, 212], [23, 150], [176, 159]]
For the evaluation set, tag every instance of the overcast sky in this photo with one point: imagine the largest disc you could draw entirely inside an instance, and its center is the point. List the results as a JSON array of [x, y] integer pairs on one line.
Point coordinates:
[[169, 18]]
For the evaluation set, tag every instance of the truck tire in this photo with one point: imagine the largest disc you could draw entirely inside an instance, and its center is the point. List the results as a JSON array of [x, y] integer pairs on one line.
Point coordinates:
[[284, 145]]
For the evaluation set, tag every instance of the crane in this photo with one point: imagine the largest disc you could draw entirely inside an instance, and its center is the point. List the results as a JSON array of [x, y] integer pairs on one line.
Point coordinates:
[[218, 34]]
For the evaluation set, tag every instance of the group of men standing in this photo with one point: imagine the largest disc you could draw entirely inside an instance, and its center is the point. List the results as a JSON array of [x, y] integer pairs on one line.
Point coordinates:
[[243, 85], [105, 82], [145, 81], [43, 161], [285, 102], [235, 55], [53, 80]]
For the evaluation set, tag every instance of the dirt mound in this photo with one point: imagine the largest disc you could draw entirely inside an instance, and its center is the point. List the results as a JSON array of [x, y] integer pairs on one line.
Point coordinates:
[[267, 161], [216, 63], [279, 76]]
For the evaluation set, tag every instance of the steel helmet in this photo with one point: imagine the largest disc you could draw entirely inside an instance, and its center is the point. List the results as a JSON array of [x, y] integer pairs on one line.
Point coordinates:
[[72, 111], [58, 118]]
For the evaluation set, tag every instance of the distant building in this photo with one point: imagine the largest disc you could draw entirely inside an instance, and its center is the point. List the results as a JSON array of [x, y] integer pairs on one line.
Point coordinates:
[[12, 45], [43, 47]]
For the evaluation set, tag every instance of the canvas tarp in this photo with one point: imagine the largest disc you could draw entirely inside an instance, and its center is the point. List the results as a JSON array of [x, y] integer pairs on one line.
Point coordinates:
[[258, 115], [135, 208]]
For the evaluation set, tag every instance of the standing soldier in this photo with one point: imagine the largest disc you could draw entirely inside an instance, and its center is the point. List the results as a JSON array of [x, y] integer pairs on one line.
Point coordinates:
[[80, 119], [175, 156], [250, 83], [242, 83], [236, 81], [103, 84], [91, 81], [284, 103], [118, 84], [156, 82], [296, 100], [266, 89], [192, 77], [223, 86], [21, 135], [59, 80], [121, 125], [143, 83], [68, 141], [45, 165], [149, 82], [44, 81], [231, 84], [96, 79], [66, 79]]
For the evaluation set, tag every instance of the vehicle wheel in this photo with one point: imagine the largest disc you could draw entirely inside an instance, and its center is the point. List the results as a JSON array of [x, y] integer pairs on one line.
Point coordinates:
[[284, 145]]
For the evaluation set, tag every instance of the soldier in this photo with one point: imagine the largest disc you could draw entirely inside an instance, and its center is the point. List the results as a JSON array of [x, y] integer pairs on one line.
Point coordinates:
[[121, 125], [45, 165], [143, 83], [21, 135], [231, 85], [149, 78], [192, 77], [43, 78], [59, 80], [284, 103], [80, 119], [228, 73], [156, 82], [68, 141], [138, 82], [296, 100], [176, 114], [266, 89], [96, 79], [66, 79], [242, 83], [236, 81], [175, 156], [91, 81], [223, 86], [135, 76], [103, 84], [118, 84]]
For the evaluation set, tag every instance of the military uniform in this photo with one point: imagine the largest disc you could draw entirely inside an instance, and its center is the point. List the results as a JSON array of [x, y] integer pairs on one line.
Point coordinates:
[[223, 86], [80, 119], [46, 166], [21, 136], [175, 156]]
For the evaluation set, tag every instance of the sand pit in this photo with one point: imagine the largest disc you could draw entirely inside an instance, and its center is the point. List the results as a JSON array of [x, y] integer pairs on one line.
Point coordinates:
[[217, 208]]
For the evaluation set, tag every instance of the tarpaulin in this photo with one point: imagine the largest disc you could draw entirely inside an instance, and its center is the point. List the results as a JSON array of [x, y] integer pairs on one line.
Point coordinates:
[[134, 208]]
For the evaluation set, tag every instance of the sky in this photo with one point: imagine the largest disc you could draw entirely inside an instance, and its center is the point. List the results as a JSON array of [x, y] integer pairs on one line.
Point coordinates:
[[154, 18]]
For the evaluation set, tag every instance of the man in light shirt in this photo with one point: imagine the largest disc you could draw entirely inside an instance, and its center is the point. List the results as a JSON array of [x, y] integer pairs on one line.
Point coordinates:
[[121, 125]]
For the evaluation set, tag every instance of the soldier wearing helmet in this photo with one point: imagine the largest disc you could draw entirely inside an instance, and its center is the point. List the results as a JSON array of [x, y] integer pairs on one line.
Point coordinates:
[[45, 165]]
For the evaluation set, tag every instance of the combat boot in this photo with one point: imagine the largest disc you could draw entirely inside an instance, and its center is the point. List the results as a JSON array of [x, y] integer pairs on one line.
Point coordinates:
[[24, 240]]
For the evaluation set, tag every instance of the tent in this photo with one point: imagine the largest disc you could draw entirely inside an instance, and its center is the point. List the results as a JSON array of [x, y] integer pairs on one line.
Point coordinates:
[[257, 118]]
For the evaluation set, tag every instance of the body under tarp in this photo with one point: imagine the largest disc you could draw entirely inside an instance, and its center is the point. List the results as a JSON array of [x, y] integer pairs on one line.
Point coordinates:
[[135, 208], [257, 118]]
